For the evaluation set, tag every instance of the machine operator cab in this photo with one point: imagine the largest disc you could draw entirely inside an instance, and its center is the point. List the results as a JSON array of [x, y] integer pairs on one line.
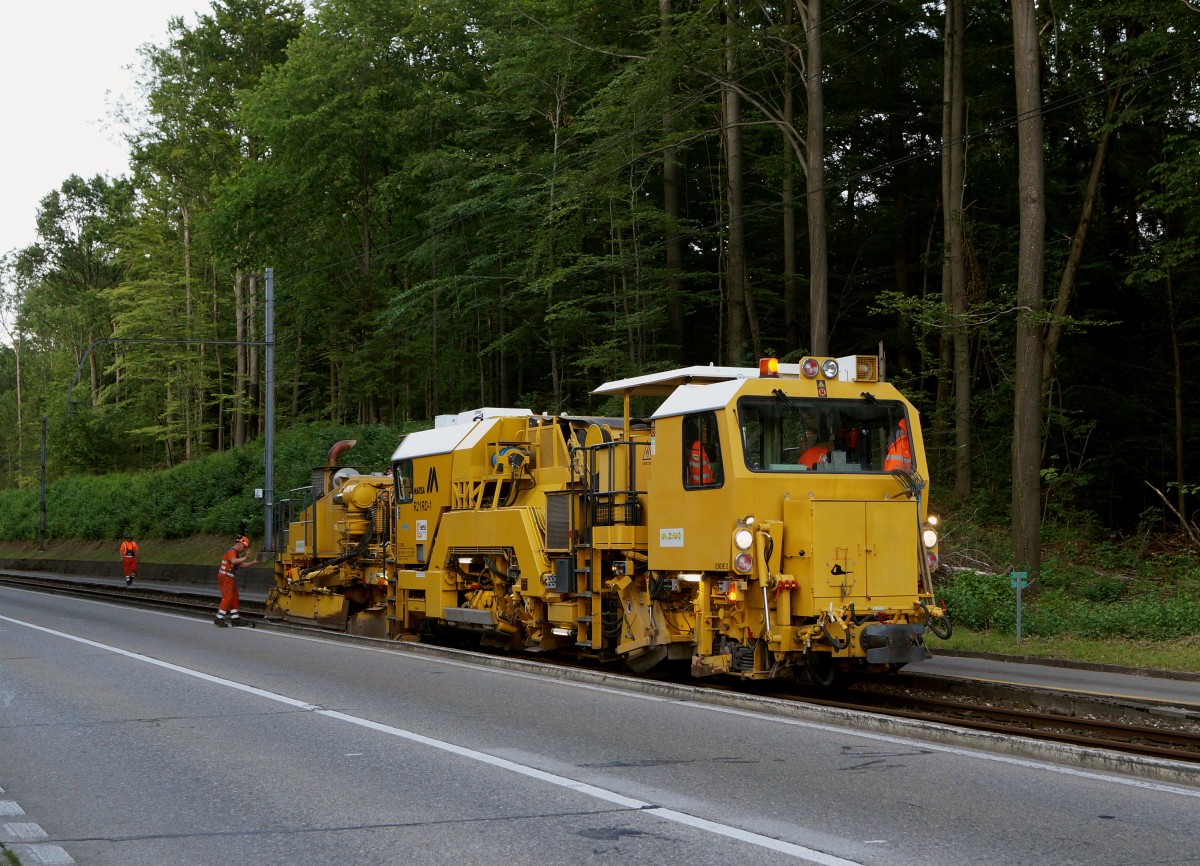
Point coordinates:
[[803, 481], [814, 416]]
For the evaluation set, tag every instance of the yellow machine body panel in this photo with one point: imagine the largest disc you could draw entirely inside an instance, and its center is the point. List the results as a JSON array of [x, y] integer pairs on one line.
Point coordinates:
[[822, 479], [333, 565], [755, 525], [852, 554]]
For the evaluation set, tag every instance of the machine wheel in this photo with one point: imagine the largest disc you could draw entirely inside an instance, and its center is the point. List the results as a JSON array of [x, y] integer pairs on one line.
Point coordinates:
[[821, 669]]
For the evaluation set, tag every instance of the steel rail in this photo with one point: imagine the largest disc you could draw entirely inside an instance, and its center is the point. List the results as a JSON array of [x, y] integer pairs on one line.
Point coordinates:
[[1179, 742]]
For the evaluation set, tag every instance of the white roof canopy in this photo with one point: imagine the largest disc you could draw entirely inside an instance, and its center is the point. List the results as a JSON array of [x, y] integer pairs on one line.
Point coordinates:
[[664, 383]]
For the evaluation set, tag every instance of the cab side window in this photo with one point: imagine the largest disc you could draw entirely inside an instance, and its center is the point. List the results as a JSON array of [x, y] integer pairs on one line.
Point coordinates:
[[402, 471], [702, 466]]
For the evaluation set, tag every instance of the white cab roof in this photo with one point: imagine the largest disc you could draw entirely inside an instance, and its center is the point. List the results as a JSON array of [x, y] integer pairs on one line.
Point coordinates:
[[473, 415], [439, 440], [687, 399], [662, 384], [447, 436]]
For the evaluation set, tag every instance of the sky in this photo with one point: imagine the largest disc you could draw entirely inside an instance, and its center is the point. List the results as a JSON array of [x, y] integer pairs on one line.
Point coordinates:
[[63, 66]]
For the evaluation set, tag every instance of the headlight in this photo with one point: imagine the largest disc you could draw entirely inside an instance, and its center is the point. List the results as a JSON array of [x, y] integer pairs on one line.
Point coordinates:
[[830, 368], [743, 538], [743, 562], [933, 520], [930, 537]]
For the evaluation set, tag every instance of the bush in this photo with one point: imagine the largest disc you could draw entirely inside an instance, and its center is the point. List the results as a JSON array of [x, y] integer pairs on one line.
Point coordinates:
[[977, 601], [213, 494], [983, 602]]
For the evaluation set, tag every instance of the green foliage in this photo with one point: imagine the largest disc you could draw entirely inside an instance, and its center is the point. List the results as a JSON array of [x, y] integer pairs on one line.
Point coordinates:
[[975, 600], [212, 495], [1094, 584], [466, 205], [1101, 590]]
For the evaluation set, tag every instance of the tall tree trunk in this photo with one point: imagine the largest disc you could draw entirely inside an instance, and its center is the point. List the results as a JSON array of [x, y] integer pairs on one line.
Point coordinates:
[[435, 362], [333, 393], [945, 384], [1066, 285], [193, 396], [93, 373], [297, 360], [1027, 405], [1180, 442], [174, 371], [622, 292], [169, 439], [818, 261], [253, 389], [788, 191], [956, 253], [239, 393], [672, 209], [557, 119], [16, 344], [221, 419], [502, 360], [736, 259]]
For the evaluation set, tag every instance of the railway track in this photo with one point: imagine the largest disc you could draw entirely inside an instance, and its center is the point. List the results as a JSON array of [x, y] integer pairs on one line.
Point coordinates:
[[172, 599], [1144, 728], [1172, 733]]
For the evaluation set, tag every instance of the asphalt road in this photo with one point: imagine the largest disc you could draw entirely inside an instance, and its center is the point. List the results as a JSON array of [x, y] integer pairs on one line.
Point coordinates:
[[135, 737]]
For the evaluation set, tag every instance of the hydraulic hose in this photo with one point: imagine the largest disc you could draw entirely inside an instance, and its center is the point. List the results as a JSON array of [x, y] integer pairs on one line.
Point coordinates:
[[837, 644], [348, 555]]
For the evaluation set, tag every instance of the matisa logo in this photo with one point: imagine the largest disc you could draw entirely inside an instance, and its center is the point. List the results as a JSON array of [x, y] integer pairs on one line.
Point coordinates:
[[431, 485]]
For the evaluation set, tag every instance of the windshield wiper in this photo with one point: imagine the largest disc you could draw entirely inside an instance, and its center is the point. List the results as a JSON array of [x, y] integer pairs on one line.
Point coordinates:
[[791, 404]]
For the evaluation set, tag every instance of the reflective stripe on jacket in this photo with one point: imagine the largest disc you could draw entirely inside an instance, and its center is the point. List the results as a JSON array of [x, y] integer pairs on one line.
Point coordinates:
[[699, 469], [899, 450], [227, 567]]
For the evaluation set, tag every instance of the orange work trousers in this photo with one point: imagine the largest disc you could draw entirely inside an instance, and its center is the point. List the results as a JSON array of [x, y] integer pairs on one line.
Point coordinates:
[[229, 593]]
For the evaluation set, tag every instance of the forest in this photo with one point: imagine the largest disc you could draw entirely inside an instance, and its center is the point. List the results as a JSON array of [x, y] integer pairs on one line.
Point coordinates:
[[509, 202]]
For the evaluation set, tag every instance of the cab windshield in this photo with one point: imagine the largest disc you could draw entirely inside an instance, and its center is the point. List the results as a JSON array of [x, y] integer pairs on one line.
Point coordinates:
[[794, 434]]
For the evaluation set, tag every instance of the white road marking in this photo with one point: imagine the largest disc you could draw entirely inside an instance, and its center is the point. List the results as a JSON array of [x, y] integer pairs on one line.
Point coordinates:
[[42, 855], [1028, 763], [602, 794], [891, 739], [23, 831]]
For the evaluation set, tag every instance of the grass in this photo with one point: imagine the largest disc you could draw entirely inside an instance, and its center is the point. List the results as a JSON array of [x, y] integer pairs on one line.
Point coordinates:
[[1180, 654], [194, 550], [1176, 653]]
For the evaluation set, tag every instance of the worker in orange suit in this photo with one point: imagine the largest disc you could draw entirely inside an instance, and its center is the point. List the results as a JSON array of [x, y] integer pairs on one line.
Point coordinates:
[[235, 558], [815, 451], [699, 469], [129, 557], [899, 449]]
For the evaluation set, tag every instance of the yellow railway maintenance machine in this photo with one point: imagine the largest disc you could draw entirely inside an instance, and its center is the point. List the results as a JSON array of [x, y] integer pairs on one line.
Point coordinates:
[[332, 570], [761, 523]]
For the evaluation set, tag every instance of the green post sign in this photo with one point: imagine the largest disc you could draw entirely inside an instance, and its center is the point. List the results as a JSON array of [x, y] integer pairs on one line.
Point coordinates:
[[1018, 580]]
